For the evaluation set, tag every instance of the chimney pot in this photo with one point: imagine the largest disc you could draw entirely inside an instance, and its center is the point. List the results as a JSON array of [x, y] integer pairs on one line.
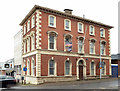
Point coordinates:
[[68, 11]]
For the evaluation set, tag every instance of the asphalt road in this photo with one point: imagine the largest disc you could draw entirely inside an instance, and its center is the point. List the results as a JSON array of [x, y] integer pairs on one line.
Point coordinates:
[[110, 84]]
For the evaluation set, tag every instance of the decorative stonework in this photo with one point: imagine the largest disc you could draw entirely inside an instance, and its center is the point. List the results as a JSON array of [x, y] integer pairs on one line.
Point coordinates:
[[38, 65], [109, 43], [38, 29]]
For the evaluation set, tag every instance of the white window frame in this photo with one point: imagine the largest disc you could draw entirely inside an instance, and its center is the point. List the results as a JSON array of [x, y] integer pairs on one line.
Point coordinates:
[[55, 40], [82, 31], [90, 30], [54, 23], [69, 29], [70, 69], [33, 42], [28, 26], [24, 29], [33, 21], [82, 45], [90, 47], [94, 69], [55, 68], [28, 67], [65, 39], [103, 36], [33, 67], [104, 69], [24, 44], [28, 44], [101, 48]]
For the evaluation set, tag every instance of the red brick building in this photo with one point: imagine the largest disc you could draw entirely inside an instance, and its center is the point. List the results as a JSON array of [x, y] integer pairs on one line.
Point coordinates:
[[59, 46]]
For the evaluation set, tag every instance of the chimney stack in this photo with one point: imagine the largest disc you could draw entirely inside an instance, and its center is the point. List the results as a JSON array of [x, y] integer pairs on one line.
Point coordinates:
[[68, 11]]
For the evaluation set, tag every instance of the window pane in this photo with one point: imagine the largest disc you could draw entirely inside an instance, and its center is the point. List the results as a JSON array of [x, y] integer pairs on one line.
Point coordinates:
[[91, 29], [67, 24], [67, 67], [102, 32], [51, 42], [80, 45], [92, 68], [91, 47], [51, 20], [51, 67], [80, 27]]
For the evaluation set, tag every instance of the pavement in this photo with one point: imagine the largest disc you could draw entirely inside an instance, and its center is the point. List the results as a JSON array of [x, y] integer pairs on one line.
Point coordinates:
[[111, 83]]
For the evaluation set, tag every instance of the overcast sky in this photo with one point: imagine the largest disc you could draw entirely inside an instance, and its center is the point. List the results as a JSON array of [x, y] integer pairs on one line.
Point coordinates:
[[13, 11]]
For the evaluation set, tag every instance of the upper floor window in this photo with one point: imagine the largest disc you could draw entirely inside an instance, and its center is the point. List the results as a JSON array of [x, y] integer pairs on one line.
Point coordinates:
[[102, 48], [67, 24], [52, 36], [91, 30], [52, 21], [25, 46], [28, 26], [80, 45], [80, 27], [33, 42], [68, 43], [92, 46], [33, 21], [102, 32], [24, 29], [28, 45]]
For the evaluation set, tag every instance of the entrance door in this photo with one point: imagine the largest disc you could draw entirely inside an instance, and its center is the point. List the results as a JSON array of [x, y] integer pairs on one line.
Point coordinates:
[[80, 72]]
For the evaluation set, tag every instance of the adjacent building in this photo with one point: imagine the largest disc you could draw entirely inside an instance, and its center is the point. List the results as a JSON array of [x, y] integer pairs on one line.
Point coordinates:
[[59, 46], [18, 54], [7, 67]]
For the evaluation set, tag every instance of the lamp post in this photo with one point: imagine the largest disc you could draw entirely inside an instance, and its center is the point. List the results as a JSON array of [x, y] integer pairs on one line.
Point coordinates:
[[100, 61]]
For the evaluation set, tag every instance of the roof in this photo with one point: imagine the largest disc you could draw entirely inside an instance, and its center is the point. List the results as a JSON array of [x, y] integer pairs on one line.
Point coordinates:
[[44, 9], [115, 57]]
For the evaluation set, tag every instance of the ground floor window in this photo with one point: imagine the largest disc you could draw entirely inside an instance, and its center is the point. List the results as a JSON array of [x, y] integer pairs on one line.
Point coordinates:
[[51, 67], [67, 68]]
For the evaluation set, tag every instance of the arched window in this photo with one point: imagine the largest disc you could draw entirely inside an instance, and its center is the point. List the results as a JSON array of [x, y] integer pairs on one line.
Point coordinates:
[[92, 68], [28, 67], [67, 68], [92, 46], [33, 41], [80, 27], [28, 44], [67, 24], [51, 67], [52, 40], [28, 26], [68, 43], [91, 30], [24, 46], [24, 29], [81, 45], [102, 32], [33, 67], [103, 43], [33, 21], [52, 21], [103, 70]]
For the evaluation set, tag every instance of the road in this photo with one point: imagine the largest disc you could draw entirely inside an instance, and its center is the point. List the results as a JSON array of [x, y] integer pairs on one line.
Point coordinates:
[[90, 84]]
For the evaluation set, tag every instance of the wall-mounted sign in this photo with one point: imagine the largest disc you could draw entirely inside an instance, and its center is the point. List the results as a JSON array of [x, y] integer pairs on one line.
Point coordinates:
[[24, 69], [6, 65]]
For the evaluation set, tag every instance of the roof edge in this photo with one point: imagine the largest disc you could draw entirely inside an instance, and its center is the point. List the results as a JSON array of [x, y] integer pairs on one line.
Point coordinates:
[[48, 9]]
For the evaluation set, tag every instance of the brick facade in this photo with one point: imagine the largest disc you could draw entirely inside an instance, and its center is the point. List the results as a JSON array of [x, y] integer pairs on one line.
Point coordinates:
[[42, 55]]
